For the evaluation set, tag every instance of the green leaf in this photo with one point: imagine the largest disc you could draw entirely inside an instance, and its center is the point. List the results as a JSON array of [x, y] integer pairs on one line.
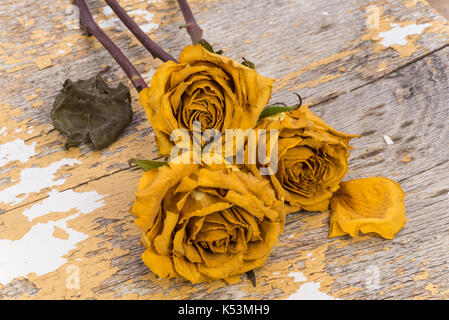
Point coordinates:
[[90, 111], [248, 63], [274, 110], [148, 164], [206, 45]]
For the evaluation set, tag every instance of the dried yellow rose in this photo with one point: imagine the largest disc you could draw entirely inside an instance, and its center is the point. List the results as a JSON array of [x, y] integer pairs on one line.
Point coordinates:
[[206, 87], [312, 158], [205, 223], [367, 205]]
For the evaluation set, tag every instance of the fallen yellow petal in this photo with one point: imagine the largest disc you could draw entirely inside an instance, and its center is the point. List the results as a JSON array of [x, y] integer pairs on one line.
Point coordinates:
[[367, 205]]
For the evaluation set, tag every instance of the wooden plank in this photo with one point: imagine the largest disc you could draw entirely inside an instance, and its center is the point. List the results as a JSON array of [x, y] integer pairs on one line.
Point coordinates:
[[411, 107], [442, 6], [317, 71], [284, 39]]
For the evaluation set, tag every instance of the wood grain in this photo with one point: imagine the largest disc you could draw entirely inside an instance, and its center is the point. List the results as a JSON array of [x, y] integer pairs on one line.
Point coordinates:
[[323, 50]]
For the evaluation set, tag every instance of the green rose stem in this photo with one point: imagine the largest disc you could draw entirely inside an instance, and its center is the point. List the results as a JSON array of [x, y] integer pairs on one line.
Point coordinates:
[[150, 45], [92, 28], [194, 30]]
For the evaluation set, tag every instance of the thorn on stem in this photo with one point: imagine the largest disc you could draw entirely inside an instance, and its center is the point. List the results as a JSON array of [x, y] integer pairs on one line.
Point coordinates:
[[252, 277], [194, 30]]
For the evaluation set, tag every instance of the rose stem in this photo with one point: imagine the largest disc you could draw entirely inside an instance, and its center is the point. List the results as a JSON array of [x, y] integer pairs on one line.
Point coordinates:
[[150, 45], [194, 30], [92, 28]]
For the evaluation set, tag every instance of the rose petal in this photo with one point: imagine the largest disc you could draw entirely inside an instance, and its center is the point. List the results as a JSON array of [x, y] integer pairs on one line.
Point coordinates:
[[163, 242], [189, 270], [192, 253], [236, 94], [367, 205], [195, 208], [255, 90], [212, 259], [270, 233], [178, 241], [223, 270], [161, 265], [152, 188]]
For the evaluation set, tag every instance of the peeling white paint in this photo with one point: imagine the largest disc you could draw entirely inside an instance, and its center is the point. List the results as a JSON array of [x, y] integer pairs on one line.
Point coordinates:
[[107, 11], [34, 180], [111, 22], [148, 16], [83, 202], [3, 130], [310, 291], [149, 27], [16, 150], [104, 24], [69, 10], [149, 75], [307, 291], [387, 140], [398, 35], [299, 277], [38, 251]]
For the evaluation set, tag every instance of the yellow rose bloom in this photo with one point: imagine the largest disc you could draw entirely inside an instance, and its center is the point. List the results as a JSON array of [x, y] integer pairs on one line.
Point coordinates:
[[368, 205], [312, 159], [204, 223], [206, 87]]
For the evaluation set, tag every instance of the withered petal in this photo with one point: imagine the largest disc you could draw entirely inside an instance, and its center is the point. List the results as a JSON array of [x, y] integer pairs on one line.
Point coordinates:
[[368, 205]]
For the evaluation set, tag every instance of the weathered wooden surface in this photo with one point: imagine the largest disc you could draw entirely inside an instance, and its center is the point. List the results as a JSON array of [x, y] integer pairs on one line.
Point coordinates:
[[442, 7], [64, 213]]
